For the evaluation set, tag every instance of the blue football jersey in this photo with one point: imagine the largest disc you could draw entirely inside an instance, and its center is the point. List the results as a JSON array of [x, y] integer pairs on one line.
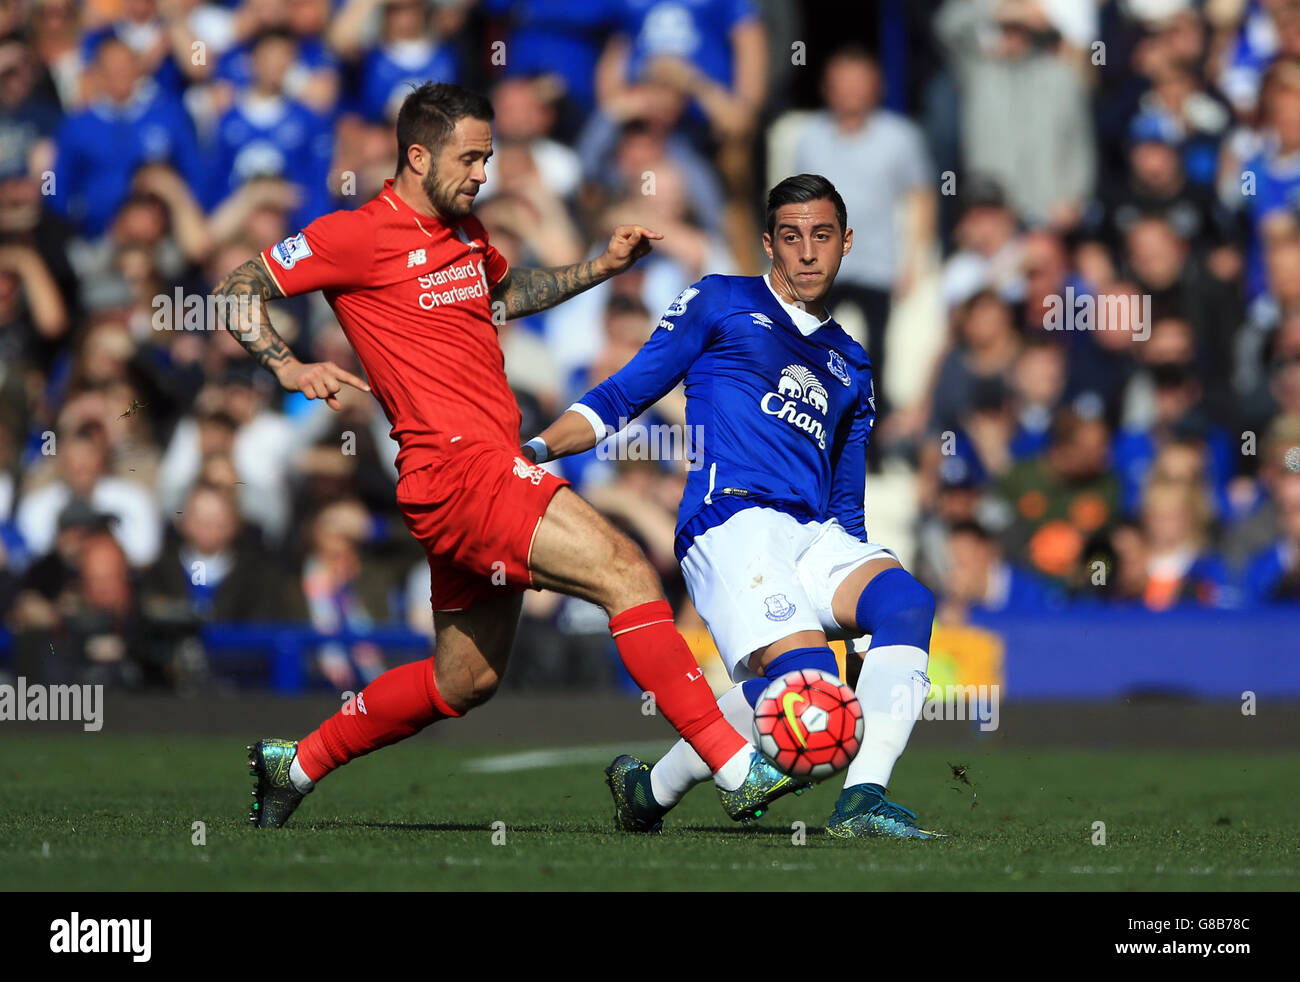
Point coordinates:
[[774, 417]]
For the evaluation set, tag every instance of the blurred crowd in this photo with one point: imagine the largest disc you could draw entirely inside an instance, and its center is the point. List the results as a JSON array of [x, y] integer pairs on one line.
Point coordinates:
[[1102, 200]]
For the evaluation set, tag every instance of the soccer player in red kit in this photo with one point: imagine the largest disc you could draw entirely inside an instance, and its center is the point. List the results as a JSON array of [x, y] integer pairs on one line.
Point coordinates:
[[419, 292]]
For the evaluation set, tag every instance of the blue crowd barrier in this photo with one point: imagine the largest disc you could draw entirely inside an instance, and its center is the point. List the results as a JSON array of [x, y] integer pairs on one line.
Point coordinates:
[[289, 646], [1112, 653], [1099, 653]]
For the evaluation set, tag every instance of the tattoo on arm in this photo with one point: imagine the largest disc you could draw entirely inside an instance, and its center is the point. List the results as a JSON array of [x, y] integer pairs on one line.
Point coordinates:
[[243, 313], [527, 291]]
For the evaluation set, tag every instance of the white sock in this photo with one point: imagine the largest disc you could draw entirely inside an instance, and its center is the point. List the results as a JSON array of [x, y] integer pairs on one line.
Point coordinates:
[[892, 689], [298, 777], [682, 768]]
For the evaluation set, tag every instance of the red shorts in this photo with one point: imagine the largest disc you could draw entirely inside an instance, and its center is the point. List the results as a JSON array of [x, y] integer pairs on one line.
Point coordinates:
[[476, 515]]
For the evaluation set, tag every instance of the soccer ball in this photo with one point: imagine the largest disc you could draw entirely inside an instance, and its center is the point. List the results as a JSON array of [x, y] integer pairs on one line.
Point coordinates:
[[809, 723]]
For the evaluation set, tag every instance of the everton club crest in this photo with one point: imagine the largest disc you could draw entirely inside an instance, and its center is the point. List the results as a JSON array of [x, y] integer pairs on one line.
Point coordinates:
[[839, 367]]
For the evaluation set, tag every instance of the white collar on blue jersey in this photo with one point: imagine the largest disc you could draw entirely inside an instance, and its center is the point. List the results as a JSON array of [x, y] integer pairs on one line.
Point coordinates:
[[804, 321]]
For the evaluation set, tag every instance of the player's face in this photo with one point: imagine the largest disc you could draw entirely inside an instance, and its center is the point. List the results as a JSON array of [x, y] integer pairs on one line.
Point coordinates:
[[453, 181], [806, 247]]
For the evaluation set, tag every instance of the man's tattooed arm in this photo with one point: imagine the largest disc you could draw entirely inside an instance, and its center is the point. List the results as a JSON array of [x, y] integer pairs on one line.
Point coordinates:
[[527, 291], [244, 314]]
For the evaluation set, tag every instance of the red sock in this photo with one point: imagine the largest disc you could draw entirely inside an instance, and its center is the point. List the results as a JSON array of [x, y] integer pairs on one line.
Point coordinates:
[[659, 661], [402, 701]]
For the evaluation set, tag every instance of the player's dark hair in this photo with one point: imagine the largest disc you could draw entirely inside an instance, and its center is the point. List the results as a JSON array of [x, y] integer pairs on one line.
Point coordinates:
[[801, 189], [853, 51], [430, 113], [273, 34], [971, 527], [621, 304]]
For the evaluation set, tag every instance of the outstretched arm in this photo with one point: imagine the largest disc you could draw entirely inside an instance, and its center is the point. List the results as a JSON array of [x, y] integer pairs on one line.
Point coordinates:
[[528, 291], [663, 361], [571, 434], [244, 314]]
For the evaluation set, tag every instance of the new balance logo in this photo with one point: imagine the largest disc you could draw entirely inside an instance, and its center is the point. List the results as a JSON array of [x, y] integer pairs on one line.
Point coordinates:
[[416, 257]]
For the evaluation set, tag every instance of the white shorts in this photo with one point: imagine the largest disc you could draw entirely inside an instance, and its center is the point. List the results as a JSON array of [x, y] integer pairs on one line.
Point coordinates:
[[763, 575]]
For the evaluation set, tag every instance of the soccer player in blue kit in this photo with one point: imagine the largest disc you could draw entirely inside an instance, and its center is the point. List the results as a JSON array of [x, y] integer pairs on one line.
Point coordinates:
[[770, 533]]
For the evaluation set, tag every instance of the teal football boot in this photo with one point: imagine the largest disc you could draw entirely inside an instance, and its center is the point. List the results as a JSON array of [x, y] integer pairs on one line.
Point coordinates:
[[863, 811], [635, 808], [274, 796], [763, 785]]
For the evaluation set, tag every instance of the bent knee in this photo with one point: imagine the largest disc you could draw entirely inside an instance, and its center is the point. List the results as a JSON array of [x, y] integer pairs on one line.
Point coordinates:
[[902, 609]]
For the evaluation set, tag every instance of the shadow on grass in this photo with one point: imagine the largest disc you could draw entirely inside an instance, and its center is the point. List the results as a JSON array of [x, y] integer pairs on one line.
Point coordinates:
[[544, 829], [740, 830]]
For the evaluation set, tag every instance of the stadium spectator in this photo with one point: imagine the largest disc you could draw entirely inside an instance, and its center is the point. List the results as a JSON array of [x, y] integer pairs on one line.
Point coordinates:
[[1273, 574], [1163, 404], [1025, 120], [985, 347], [1267, 180], [263, 451], [412, 47], [211, 570], [56, 42], [29, 118], [1156, 184], [1055, 501], [988, 249], [556, 41], [979, 580], [76, 617], [1038, 383], [525, 117], [713, 54], [950, 494], [311, 78], [130, 121], [1102, 352], [1175, 518], [1179, 286], [268, 134], [339, 594], [1259, 521], [878, 161], [81, 466]]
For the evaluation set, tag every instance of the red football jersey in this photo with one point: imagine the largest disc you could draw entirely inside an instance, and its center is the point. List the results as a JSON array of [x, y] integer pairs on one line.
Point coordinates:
[[412, 295]]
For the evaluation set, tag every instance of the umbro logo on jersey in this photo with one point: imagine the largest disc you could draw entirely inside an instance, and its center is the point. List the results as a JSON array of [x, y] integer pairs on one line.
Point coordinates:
[[762, 320], [416, 257]]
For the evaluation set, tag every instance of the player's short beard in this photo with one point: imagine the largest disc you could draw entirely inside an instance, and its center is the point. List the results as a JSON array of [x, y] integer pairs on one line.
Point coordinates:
[[448, 206]]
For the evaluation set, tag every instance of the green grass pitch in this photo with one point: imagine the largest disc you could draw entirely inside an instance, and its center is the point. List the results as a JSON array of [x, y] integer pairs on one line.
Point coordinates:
[[118, 813]]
